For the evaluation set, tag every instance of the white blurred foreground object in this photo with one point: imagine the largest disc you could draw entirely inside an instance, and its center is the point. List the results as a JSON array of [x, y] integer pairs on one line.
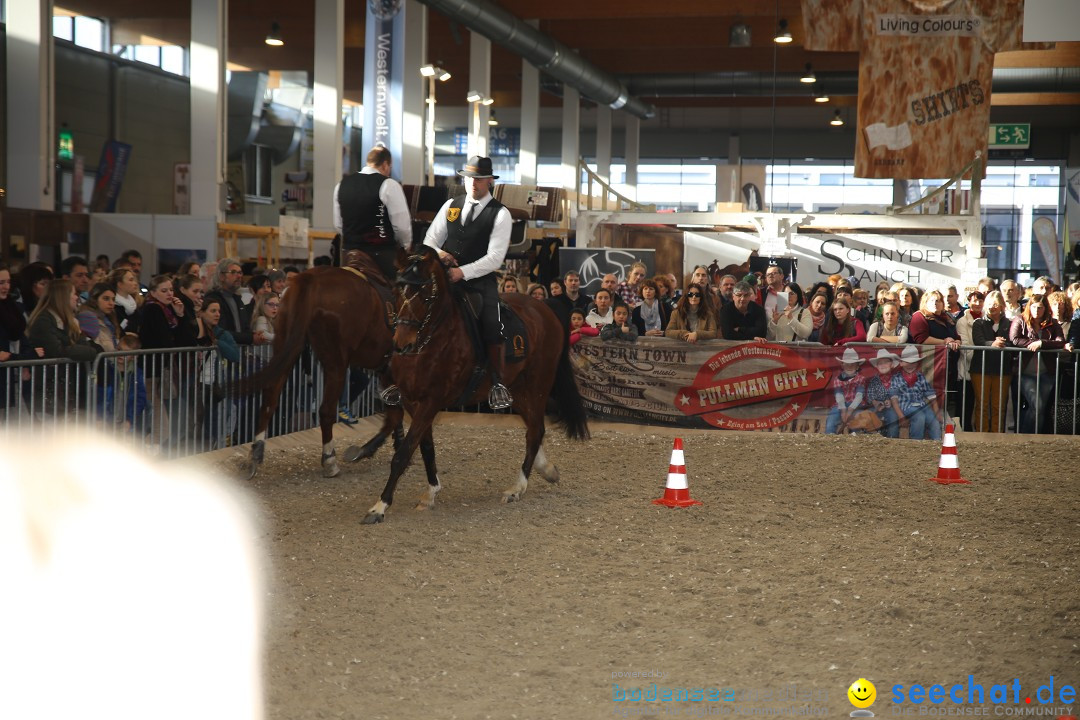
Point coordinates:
[[129, 590]]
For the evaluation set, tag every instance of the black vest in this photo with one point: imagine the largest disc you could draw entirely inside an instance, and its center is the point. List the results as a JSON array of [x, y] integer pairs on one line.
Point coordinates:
[[365, 219], [469, 243]]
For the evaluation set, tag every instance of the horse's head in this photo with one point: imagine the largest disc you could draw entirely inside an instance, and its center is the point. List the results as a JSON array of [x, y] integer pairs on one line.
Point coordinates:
[[422, 280]]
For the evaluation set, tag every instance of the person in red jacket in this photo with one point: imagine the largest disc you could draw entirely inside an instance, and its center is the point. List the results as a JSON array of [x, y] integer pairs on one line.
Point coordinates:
[[580, 328], [841, 327]]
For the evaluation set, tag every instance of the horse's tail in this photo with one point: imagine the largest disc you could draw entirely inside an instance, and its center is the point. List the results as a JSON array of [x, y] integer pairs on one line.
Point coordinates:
[[291, 327], [569, 409]]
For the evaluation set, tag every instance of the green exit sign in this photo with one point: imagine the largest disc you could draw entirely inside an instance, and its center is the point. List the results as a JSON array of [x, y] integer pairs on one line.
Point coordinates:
[[1010, 135]]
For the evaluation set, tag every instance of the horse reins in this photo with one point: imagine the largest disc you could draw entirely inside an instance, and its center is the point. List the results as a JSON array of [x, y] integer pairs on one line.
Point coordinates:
[[429, 304]]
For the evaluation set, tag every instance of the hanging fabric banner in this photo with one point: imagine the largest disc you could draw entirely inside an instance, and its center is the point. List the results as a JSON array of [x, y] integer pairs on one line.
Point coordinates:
[[762, 386], [384, 73]]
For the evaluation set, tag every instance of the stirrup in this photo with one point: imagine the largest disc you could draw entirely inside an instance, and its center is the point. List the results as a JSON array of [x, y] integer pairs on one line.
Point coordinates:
[[499, 397], [391, 396]]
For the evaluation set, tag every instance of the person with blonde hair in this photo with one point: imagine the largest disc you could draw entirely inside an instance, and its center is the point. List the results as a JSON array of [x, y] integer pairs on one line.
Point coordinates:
[[54, 327], [537, 291], [55, 333], [991, 370], [264, 314]]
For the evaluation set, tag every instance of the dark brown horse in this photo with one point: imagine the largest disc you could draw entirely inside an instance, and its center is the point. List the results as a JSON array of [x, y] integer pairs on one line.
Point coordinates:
[[434, 361], [340, 314]]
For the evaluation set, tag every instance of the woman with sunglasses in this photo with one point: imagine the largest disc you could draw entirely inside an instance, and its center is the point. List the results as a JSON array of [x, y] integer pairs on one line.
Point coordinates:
[[693, 318]]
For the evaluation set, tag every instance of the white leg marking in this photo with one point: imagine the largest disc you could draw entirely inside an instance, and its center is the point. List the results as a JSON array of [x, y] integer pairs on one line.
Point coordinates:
[[515, 492], [328, 448], [427, 500], [261, 437], [545, 467], [378, 508]]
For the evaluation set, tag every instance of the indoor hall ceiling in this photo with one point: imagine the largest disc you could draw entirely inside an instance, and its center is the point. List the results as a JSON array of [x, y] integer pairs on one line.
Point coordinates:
[[622, 37]]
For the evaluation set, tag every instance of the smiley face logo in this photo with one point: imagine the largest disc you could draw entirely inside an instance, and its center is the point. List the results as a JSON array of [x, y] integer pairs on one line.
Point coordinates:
[[862, 693]]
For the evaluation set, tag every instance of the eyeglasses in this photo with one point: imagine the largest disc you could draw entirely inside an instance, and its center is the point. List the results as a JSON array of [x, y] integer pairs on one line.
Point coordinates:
[[690, 295], [273, 305], [234, 272]]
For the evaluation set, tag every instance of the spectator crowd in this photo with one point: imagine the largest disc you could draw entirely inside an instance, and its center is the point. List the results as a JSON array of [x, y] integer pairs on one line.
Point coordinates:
[[77, 311], [1010, 348]]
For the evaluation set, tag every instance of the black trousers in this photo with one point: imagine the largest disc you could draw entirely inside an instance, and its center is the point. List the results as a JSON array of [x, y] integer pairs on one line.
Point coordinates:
[[491, 327]]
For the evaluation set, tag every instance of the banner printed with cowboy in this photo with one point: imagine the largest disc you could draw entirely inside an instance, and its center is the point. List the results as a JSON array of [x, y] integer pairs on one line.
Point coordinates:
[[756, 386]]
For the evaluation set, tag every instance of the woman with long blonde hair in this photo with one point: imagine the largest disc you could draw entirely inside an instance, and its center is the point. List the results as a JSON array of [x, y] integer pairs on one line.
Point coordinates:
[[54, 333], [53, 325]]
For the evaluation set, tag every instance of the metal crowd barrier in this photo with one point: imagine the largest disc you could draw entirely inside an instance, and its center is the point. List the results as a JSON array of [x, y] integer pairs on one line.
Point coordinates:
[[181, 401], [1008, 399], [173, 402]]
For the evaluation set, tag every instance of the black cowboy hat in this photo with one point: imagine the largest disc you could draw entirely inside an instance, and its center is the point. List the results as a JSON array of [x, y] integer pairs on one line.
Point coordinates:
[[478, 167]]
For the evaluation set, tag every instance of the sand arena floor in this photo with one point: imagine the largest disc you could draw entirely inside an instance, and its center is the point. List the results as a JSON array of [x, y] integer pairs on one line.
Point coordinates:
[[814, 561]]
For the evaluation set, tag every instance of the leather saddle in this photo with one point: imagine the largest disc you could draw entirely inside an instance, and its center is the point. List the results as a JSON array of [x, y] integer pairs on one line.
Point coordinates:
[[359, 262], [515, 339]]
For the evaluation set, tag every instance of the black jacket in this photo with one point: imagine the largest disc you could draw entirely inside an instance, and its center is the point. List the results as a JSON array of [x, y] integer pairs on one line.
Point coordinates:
[[235, 316]]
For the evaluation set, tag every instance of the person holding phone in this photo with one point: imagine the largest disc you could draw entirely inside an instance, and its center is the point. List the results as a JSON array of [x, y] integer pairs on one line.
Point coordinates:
[[791, 321]]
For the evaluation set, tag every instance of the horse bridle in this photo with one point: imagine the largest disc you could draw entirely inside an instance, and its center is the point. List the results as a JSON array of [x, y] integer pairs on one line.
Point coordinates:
[[410, 277]]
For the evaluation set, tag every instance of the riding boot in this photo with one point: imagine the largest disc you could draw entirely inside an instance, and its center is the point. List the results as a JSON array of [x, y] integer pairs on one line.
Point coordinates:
[[499, 397]]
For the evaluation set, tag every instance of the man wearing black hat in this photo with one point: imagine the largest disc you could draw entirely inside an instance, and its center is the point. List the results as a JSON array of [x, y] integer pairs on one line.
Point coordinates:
[[372, 215], [472, 235]]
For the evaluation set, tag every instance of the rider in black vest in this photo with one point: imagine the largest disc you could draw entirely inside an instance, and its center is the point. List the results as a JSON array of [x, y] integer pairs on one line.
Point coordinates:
[[472, 234], [372, 214]]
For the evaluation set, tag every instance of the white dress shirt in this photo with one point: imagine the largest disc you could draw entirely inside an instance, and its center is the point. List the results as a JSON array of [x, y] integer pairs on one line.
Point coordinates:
[[393, 197], [498, 244]]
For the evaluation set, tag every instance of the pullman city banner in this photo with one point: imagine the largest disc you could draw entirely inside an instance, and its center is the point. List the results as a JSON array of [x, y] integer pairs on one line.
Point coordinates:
[[384, 73], [925, 68], [756, 386]]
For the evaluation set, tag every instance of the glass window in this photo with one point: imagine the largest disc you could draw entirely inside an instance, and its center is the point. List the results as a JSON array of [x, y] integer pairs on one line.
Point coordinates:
[[90, 33], [173, 59], [149, 54], [63, 27]]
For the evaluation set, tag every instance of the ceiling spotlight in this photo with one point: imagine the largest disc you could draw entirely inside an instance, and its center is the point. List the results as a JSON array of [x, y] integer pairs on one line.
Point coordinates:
[[822, 97], [740, 35], [474, 96], [783, 35], [435, 71], [274, 38], [492, 120], [837, 121], [808, 76]]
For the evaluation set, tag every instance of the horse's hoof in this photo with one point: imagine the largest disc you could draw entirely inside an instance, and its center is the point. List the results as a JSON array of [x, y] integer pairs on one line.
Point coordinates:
[[509, 497], [372, 519], [251, 468], [331, 469], [352, 454]]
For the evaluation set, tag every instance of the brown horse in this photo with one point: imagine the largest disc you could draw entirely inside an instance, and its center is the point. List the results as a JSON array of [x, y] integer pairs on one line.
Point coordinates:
[[340, 314], [433, 363]]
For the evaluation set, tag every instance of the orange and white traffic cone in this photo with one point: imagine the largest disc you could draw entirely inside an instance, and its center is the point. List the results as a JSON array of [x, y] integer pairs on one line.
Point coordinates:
[[677, 493], [948, 472]]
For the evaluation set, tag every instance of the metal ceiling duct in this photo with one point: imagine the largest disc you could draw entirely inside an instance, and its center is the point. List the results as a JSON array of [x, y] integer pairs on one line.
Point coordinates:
[[543, 51], [744, 84]]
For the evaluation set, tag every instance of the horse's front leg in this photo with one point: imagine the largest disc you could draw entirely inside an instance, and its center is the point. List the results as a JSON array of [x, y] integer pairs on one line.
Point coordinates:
[[421, 426], [427, 450]]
